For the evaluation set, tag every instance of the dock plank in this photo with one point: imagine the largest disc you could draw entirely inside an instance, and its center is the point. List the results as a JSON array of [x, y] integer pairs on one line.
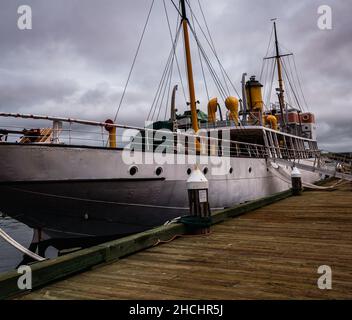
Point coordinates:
[[270, 253]]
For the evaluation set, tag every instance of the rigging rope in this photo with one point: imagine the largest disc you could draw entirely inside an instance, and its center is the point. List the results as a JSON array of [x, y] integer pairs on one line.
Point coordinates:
[[194, 18], [215, 54], [267, 81], [272, 82], [293, 79], [212, 42], [201, 62], [161, 83], [165, 86], [134, 60], [267, 51], [171, 37], [289, 81], [299, 83], [284, 176], [217, 81]]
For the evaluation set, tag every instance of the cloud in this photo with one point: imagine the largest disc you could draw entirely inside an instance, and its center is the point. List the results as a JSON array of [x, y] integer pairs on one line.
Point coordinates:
[[76, 60]]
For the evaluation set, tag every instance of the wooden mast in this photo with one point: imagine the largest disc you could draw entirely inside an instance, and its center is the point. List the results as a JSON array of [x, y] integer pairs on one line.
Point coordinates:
[[281, 83], [192, 96]]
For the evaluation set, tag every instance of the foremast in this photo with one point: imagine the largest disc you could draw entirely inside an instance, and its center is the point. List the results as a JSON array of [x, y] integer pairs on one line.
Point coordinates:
[[281, 82], [280, 90]]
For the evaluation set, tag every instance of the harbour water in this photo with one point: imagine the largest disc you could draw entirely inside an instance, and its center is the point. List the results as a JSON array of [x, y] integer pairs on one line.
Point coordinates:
[[9, 256]]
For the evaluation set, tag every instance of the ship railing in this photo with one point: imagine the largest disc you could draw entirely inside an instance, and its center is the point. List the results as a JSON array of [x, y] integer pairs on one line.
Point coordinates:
[[295, 153], [68, 136], [70, 131], [341, 162], [205, 146]]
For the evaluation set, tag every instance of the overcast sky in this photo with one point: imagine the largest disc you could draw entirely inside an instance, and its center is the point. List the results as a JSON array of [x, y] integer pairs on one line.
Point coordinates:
[[76, 59]]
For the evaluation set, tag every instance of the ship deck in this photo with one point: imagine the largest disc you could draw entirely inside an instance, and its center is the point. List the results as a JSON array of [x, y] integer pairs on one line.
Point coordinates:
[[270, 253]]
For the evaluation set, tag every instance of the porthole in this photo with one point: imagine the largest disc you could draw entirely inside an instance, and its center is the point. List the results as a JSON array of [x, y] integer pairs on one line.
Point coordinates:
[[205, 170], [133, 170], [231, 170], [250, 169], [189, 171], [159, 171]]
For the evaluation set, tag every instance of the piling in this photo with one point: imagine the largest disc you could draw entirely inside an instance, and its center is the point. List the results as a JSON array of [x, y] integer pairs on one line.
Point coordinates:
[[296, 179], [199, 220]]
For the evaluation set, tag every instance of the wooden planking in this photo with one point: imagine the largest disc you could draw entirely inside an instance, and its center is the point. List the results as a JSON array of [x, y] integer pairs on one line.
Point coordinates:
[[79, 261], [270, 253], [55, 269]]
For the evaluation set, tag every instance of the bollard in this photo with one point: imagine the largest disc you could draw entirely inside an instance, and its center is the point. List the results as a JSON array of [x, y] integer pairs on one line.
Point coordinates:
[[199, 220], [296, 180]]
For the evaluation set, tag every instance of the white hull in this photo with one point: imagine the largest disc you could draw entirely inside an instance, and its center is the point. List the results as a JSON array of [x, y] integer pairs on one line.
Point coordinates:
[[94, 184]]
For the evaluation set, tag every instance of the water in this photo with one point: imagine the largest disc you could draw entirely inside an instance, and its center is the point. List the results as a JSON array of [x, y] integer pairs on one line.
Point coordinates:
[[9, 256]]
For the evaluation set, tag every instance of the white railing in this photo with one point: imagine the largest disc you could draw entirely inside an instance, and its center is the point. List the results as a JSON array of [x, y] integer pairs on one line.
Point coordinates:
[[69, 131]]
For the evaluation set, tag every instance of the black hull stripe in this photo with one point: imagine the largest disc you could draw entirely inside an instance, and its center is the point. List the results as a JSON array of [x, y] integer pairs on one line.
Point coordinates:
[[13, 183], [98, 201]]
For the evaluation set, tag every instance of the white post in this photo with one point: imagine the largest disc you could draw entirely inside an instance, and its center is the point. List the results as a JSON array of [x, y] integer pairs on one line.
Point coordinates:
[[57, 126], [296, 179], [197, 186]]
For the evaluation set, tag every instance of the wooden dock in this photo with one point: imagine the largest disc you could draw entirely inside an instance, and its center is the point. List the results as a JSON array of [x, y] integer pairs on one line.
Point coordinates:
[[270, 253]]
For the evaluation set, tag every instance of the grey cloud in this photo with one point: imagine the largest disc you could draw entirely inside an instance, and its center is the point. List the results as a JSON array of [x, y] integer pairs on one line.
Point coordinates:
[[76, 59], [26, 94]]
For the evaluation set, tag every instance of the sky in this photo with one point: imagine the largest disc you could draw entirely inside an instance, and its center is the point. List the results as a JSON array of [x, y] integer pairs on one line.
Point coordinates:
[[76, 59]]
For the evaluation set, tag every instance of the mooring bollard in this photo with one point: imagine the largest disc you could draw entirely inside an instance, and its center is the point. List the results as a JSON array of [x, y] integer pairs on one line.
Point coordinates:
[[296, 180], [199, 220]]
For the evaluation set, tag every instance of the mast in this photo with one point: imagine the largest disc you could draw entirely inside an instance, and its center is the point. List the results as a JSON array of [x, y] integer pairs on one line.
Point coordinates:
[[281, 83], [192, 96]]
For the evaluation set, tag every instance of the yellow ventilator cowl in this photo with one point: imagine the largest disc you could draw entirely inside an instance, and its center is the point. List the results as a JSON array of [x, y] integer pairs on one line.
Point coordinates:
[[272, 121], [212, 107], [231, 104]]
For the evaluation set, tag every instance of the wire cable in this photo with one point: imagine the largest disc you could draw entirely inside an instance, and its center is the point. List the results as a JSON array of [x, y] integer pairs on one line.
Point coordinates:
[[134, 60]]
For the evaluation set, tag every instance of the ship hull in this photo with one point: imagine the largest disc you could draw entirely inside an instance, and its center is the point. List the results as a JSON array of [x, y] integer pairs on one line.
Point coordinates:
[[73, 192]]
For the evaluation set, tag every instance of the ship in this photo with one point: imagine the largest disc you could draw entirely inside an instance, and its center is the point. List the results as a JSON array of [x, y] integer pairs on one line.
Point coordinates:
[[122, 184]]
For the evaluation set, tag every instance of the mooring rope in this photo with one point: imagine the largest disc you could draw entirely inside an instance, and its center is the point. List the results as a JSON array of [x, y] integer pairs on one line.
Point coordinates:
[[19, 247], [287, 178]]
